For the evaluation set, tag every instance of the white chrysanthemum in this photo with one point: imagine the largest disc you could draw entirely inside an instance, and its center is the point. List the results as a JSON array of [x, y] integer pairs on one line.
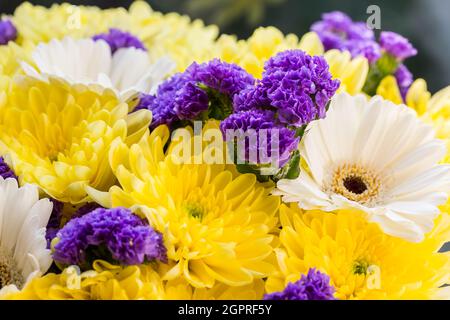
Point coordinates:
[[90, 63], [375, 156], [23, 247]]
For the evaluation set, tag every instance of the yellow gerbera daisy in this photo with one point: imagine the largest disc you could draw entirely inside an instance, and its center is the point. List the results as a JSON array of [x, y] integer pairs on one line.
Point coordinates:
[[217, 225], [58, 137], [362, 261]]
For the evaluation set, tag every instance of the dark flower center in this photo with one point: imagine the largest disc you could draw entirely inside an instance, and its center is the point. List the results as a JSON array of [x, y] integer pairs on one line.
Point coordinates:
[[355, 184]]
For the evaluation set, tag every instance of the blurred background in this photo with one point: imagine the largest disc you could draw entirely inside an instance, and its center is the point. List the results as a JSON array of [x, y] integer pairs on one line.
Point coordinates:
[[424, 22]]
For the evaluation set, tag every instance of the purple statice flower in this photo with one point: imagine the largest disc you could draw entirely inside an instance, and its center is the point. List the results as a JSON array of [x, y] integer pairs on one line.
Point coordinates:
[[56, 218], [246, 127], [298, 86], [332, 29], [117, 39], [186, 95], [116, 232], [54, 223], [250, 98], [8, 31], [5, 171], [404, 79], [369, 49], [164, 103], [360, 31], [190, 101], [314, 286], [396, 45], [336, 30], [226, 78]]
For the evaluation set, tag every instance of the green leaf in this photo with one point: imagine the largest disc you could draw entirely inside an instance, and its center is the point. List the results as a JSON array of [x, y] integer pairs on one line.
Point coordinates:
[[291, 169], [254, 169], [385, 66]]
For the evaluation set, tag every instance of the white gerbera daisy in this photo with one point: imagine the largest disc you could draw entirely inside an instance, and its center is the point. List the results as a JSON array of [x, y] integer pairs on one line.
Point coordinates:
[[90, 63], [23, 247], [374, 156]]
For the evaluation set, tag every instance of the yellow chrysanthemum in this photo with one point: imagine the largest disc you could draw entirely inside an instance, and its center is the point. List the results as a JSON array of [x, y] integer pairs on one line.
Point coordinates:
[[217, 225], [110, 282], [438, 114], [173, 35], [58, 137], [10, 57], [105, 282], [179, 38], [417, 96], [39, 24], [362, 261], [251, 54], [181, 290], [351, 72]]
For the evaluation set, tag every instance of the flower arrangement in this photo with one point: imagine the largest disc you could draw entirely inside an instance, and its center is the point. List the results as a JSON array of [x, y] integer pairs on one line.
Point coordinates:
[[145, 156]]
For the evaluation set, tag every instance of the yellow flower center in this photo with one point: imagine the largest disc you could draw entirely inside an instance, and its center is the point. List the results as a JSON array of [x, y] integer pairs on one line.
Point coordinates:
[[9, 274], [194, 210], [356, 183], [360, 266]]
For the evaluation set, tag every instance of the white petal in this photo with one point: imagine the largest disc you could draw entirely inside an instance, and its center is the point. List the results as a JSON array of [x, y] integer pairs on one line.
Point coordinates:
[[378, 136], [397, 226], [303, 190], [435, 179], [417, 161], [85, 62], [23, 218]]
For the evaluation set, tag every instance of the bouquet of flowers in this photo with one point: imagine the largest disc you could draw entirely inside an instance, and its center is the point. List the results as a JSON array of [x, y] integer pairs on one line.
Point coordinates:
[[145, 156]]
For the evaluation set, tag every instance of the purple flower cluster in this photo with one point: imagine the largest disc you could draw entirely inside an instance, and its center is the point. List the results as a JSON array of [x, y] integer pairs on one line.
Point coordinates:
[[101, 233], [5, 171], [162, 105], [117, 39], [294, 90], [299, 86], [396, 45], [7, 31], [226, 78], [314, 286], [295, 85], [186, 95], [404, 79], [337, 31], [247, 126], [56, 218]]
